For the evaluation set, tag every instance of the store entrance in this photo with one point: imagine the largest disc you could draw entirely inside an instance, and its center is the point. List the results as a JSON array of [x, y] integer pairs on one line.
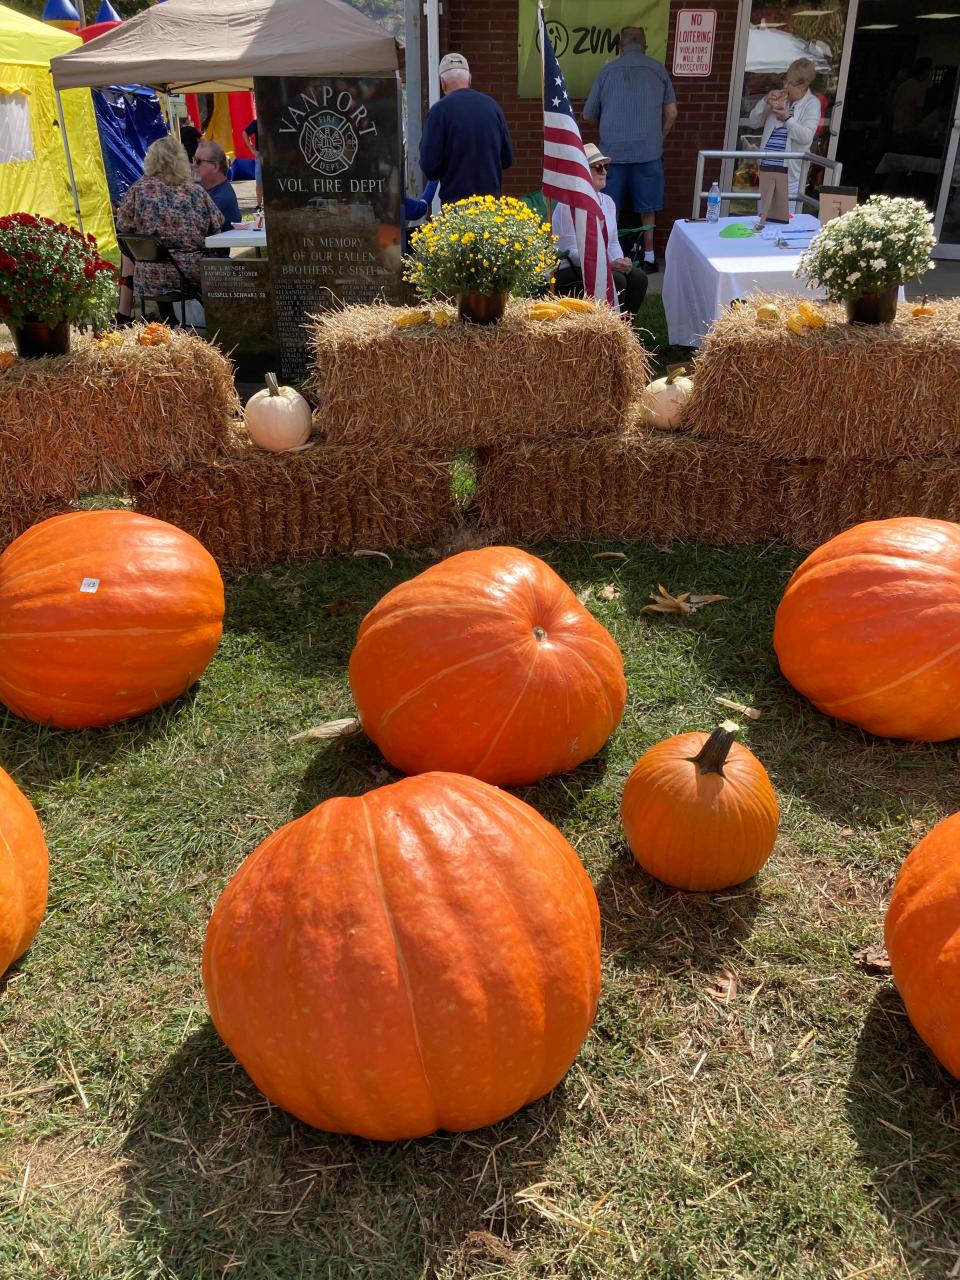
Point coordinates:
[[900, 123]]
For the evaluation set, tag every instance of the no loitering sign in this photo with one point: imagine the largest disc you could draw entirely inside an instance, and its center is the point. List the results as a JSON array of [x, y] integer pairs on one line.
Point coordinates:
[[693, 47]]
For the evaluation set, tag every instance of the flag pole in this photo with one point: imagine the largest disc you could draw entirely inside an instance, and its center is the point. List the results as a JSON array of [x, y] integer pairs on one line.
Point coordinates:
[[541, 27]]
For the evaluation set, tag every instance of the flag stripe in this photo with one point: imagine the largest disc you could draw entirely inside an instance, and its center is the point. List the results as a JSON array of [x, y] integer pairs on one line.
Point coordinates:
[[566, 176]]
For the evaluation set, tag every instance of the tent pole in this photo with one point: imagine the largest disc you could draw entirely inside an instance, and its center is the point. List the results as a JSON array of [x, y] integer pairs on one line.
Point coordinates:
[[414, 87], [66, 151]]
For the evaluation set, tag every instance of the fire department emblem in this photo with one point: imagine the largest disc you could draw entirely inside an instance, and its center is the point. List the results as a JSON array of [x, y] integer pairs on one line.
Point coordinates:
[[328, 142]]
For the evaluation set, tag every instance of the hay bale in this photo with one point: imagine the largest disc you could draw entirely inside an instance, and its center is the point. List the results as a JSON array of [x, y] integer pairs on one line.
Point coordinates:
[[15, 520], [846, 391], [821, 499], [84, 421], [251, 507], [636, 484], [468, 385]]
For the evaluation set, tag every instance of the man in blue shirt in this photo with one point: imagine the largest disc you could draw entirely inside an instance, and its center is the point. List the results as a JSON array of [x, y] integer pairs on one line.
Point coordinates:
[[465, 142], [633, 101], [210, 169]]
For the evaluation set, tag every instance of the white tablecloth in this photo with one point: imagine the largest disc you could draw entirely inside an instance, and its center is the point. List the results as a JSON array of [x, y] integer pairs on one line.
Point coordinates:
[[238, 238], [704, 273]]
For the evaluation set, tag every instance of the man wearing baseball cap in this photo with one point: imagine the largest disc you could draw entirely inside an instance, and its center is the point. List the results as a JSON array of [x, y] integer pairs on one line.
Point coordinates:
[[465, 143]]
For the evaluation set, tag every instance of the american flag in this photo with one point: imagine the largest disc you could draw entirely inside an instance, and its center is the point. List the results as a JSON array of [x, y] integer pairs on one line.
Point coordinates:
[[566, 175]]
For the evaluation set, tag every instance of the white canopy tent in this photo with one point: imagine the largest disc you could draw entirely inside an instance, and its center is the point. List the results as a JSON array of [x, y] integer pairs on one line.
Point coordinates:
[[770, 51], [212, 46]]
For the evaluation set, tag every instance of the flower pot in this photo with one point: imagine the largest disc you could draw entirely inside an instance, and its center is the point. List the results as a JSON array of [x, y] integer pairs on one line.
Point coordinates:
[[873, 308], [35, 338], [482, 308]]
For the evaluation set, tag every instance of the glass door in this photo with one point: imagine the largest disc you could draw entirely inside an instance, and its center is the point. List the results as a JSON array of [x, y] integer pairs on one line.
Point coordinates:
[[773, 37], [947, 221]]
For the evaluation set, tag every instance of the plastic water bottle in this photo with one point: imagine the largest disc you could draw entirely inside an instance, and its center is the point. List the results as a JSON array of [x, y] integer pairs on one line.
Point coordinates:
[[713, 204]]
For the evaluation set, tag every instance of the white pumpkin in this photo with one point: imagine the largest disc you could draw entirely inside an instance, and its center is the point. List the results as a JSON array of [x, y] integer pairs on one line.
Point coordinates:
[[662, 401], [277, 417]]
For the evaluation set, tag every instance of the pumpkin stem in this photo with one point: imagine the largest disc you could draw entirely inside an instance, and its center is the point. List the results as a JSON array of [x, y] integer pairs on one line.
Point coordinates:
[[713, 754], [681, 371], [540, 634], [272, 386]]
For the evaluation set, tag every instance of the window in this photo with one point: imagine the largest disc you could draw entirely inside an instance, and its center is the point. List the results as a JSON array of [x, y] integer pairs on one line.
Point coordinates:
[[16, 138]]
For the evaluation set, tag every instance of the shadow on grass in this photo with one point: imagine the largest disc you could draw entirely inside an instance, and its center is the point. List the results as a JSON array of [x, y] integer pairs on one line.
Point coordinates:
[[34, 754], [651, 926], [220, 1182], [904, 1110]]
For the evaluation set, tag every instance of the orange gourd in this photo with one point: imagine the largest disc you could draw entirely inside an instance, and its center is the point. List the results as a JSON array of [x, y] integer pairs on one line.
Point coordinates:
[[699, 812], [922, 935], [487, 664], [869, 628], [923, 309], [425, 956], [104, 615], [23, 872]]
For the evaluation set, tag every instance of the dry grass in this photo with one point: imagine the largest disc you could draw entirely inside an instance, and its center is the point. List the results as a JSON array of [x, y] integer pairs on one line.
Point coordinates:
[[85, 421], [846, 391], [638, 484], [251, 507], [468, 385]]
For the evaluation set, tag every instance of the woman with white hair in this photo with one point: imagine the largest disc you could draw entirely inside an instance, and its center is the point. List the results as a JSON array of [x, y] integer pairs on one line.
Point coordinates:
[[790, 117], [168, 204]]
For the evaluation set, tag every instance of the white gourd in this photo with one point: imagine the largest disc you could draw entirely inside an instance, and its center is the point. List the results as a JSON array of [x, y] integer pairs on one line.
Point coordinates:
[[662, 401], [277, 418]]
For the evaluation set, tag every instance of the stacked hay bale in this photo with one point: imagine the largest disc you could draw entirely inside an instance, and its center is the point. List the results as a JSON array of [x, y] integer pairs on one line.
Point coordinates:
[[249, 507], [84, 422], [856, 422]]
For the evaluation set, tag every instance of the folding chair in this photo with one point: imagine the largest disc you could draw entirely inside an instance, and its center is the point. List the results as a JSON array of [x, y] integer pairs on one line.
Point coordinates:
[[152, 249]]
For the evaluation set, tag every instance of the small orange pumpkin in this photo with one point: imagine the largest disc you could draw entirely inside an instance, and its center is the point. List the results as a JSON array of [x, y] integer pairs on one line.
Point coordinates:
[[425, 956], [699, 812], [154, 335], [924, 308], [23, 872], [7, 358], [922, 934]]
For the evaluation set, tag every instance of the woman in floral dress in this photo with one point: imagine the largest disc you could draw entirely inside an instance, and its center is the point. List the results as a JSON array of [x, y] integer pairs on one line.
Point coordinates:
[[167, 203]]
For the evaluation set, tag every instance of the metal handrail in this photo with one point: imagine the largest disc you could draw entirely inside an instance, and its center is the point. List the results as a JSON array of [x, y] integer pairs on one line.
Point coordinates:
[[807, 158]]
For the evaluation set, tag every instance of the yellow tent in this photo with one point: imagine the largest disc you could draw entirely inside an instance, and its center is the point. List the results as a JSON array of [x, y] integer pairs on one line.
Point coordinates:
[[33, 166]]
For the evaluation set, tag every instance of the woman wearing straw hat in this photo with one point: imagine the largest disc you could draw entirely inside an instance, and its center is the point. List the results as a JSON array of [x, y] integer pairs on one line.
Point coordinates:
[[629, 280]]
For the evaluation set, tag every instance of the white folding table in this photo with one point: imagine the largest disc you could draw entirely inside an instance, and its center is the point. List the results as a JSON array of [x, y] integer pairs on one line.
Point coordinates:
[[704, 272]]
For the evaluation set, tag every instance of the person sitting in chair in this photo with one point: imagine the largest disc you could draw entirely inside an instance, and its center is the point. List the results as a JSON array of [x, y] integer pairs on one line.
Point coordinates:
[[629, 280], [168, 204]]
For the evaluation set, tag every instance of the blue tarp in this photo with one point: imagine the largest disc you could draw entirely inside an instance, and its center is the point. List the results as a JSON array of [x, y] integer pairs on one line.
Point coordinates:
[[128, 119]]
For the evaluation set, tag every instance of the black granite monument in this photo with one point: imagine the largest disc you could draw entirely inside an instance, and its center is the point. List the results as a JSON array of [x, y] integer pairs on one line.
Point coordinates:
[[332, 182]]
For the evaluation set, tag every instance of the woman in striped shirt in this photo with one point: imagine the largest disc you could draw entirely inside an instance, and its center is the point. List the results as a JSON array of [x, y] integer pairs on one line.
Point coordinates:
[[790, 118]]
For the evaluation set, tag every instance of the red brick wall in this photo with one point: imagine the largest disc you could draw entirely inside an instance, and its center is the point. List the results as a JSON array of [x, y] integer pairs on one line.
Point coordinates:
[[485, 32]]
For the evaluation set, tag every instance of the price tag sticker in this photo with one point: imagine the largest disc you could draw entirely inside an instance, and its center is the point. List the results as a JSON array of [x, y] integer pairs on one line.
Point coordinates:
[[89, 585]]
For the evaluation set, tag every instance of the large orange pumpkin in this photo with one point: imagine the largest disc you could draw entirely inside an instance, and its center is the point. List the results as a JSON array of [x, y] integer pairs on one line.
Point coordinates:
[[104, 615], [699, 812], [923, 939], [487, 664], [426, 956], [869, 628], [23, 872]]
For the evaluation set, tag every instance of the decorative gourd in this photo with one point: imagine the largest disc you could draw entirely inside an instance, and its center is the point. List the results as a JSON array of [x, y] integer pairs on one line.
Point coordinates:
[[699, 812], [154, 335], [411, 318], [7, 359], [922, 935], [546, 311], [425, 956], [796, 322], [23, 872], [768, 313], [923, 309], [570, 303], [811, 315], [662, 401], [487, 664], [277, 418], [106, 615], [869, 628]]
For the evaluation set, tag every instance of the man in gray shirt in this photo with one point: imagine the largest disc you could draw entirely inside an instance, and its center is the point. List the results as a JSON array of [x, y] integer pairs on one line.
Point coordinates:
[[633, 101]]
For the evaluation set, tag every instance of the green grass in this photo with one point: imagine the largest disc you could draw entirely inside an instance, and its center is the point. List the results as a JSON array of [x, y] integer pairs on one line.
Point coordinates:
[[693, 1138]]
